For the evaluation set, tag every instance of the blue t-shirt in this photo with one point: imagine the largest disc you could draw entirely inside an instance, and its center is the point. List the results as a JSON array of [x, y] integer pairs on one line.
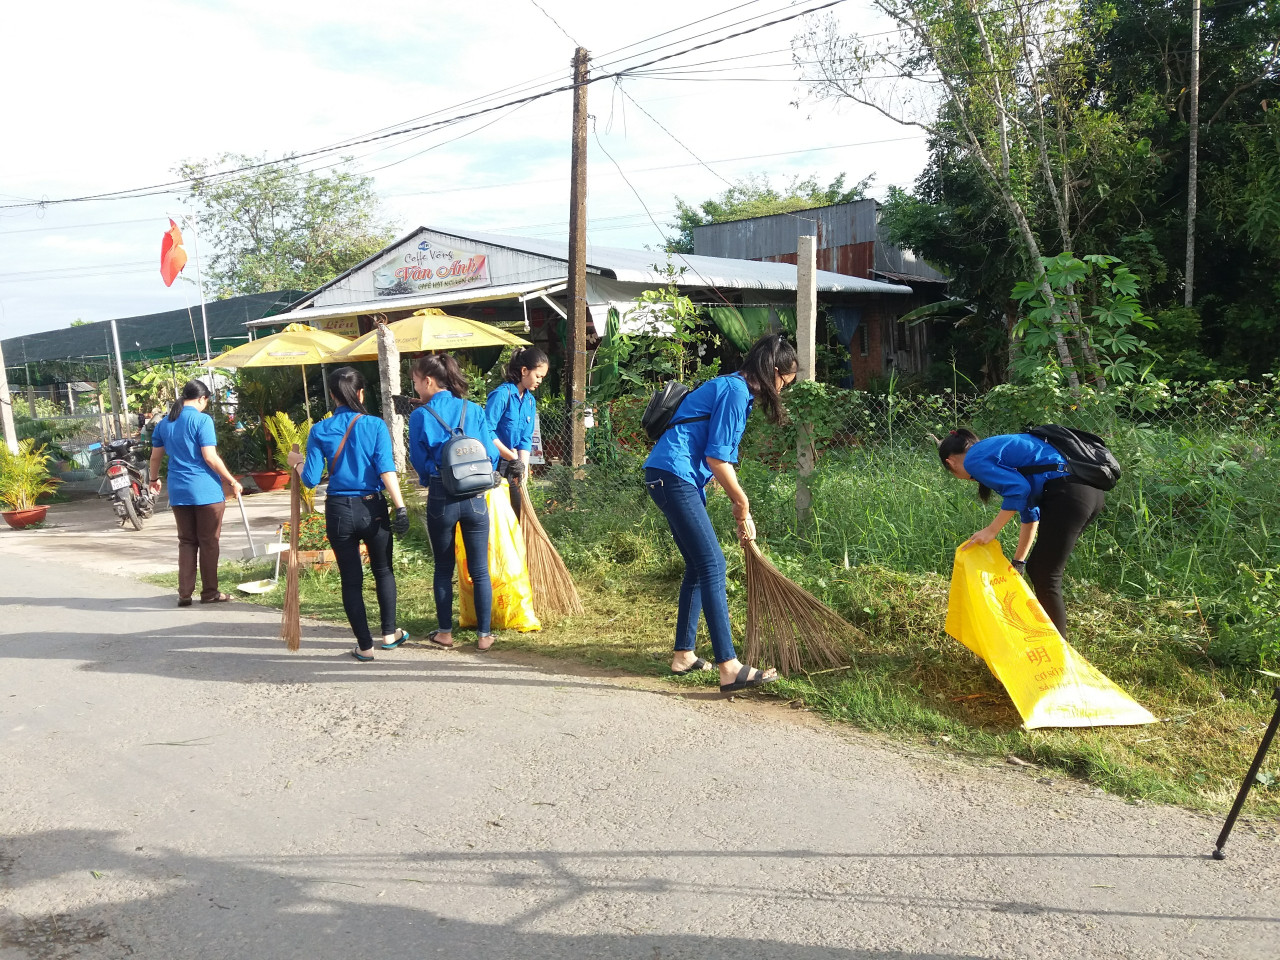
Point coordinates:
[[684, 448], [427, 437], [995, 462], [192, 482], [366, 456], [512, 416]]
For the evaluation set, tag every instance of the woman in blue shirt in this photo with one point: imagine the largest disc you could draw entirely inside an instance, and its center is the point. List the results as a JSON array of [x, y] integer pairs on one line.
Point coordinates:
[[196, 473], [702, 442], [356, 449], [512, 409], [1034, 485], [438, 381]]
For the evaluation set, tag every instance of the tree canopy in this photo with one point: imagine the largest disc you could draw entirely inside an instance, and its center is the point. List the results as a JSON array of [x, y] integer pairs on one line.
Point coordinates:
[[279, 227]]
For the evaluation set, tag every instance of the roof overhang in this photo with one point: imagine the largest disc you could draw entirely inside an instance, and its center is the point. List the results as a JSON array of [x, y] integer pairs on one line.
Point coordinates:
[[509, 291]]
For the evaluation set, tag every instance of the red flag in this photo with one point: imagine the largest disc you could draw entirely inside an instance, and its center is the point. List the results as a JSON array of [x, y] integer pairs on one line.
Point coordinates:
[[172, 257]]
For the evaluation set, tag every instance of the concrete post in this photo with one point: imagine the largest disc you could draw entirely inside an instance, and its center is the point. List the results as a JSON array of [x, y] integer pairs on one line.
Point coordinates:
[[807, 350], [6, 409], [389, 381]]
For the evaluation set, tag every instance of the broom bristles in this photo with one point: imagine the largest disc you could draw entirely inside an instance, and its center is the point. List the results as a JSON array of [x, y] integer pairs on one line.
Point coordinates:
[[290, 618], [554, 594], [786, 625]]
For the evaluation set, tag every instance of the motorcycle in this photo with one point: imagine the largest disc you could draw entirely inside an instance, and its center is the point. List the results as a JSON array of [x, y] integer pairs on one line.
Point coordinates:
[[128, 479]]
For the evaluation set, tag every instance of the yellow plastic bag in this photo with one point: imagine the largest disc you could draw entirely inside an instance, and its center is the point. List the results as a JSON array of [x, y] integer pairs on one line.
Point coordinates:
[[993, 612], [508, 570]]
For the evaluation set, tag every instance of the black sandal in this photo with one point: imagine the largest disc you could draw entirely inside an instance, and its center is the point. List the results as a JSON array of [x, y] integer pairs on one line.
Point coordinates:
[[431, 638], [220, 598], [745, 681], [696, 667]]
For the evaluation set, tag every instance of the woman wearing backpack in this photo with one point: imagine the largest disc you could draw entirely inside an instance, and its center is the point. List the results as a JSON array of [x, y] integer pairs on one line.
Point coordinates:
[[356, 449], [700, 442], [1035, 485], [432, 426], [511, 409]]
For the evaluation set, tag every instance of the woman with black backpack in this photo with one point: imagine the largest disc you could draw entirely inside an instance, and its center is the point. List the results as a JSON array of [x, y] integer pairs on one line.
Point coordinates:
[[455, 497], [1035, 485]]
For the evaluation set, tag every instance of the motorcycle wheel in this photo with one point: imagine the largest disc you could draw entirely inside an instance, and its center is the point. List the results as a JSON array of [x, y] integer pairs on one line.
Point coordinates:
[[130, 513]]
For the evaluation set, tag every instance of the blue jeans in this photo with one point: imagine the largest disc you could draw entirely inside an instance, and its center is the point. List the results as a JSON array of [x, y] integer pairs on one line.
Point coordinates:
[[444, 516], [702, 591], [348, 521]]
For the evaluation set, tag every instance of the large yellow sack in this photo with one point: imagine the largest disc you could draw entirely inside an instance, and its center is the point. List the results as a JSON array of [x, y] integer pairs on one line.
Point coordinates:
[[508, 570], [993, 612]]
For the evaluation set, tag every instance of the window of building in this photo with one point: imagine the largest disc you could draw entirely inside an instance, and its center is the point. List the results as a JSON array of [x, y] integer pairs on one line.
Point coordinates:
[[864, 339]]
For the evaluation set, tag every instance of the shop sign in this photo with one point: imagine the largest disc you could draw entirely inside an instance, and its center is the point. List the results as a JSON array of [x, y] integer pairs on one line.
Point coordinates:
[[343, 326], [429, 268]]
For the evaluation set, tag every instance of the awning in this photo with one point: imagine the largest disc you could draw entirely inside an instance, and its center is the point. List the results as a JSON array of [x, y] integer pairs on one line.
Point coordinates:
[[396, 304]]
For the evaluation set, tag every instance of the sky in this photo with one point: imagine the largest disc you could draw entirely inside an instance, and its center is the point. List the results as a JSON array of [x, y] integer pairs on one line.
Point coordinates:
[[108, 97]]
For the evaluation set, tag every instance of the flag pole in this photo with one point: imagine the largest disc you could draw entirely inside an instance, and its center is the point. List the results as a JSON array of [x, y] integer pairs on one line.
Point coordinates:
[[204, 317]]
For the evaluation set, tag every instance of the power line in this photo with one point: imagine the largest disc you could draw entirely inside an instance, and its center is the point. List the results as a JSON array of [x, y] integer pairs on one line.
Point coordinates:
[[556, 22]]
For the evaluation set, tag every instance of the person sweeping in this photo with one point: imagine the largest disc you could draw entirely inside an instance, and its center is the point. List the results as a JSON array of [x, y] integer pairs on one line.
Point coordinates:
[[356, 449], [445, 417], [1035, 485], [511, 409], [699, 443]]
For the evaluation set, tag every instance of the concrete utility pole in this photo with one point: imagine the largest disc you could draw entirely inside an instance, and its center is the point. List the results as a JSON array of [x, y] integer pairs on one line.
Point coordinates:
[[124, 397], [807, 353], [6, 409], [578, 259], [389, 379], [1193, 152]]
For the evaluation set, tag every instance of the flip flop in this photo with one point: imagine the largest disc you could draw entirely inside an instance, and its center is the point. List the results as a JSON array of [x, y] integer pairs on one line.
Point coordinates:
[[492, 638], [184, 601], [404, 635], [220, 598], [431, 638], [743, 683], [696, 667], [357, 655]]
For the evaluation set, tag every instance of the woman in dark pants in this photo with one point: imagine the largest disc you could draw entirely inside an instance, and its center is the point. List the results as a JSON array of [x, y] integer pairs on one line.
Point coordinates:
[[438, 381], [196, 473], [702, 442], [511, 409], [356, 448], [1053, 507]]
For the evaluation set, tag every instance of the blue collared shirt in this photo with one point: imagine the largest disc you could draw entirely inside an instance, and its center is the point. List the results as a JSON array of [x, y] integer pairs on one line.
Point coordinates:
[[192, 482], [427, 437], [684, 448], [512, 416], [366, 456], [996, 460]]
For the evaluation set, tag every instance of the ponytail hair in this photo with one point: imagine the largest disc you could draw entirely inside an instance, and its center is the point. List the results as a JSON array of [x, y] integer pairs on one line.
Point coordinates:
[[958, 441], [444, 370], [768, 357], [191, 390], [524, 358], [345, 385]]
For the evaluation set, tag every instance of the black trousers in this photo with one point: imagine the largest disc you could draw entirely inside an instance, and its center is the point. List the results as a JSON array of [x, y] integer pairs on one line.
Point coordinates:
[[1066, 508], [348, 521]]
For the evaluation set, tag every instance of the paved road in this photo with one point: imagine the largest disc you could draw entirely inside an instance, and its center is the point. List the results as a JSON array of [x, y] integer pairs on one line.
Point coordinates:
[[176, 785]]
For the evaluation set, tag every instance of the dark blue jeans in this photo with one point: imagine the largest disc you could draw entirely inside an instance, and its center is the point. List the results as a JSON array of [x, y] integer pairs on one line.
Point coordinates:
[[444, 517], [702, 591], [347, 521]]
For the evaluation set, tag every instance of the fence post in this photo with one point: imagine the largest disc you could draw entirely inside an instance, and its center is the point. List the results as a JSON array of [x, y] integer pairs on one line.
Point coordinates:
[[806, 349], [389, 381]]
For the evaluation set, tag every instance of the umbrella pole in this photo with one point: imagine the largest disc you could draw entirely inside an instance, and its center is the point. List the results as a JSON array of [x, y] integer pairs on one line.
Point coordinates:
[[305, 395]]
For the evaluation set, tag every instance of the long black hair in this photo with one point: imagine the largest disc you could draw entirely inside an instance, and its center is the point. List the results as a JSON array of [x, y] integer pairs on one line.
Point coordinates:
[[768, 356], [444, 370], [191, 390], [958, 441], [345, 385], [530, 358]]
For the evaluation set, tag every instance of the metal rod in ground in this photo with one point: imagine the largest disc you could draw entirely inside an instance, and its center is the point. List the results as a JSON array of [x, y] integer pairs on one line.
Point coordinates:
[[1250, 778]]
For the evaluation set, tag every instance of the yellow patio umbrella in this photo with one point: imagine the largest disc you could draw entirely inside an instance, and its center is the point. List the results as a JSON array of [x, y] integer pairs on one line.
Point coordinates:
[[431, 329], [295, 345]]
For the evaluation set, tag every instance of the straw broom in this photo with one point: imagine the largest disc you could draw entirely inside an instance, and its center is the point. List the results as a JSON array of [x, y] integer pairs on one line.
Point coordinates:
[[553, 592], [785, 624], [290, 620]]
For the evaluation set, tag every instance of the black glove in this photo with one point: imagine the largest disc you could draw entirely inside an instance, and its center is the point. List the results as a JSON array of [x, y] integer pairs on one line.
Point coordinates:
[[516, 470], [400, 525], [1020, 566]]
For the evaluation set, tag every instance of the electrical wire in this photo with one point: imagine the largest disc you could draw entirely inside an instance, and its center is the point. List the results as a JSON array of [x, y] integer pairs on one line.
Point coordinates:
[[556, 22]]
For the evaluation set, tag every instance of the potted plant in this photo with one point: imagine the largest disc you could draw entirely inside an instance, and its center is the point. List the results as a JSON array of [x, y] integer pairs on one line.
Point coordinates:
[[24, 478], [285, 433]]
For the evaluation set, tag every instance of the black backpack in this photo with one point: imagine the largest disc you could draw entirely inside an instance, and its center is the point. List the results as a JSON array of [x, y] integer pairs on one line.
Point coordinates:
[[662, 406], [465, 467], [1087, 456]]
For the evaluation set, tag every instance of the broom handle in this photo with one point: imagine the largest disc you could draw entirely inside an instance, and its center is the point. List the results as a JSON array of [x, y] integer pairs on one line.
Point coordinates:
[[295, 507]]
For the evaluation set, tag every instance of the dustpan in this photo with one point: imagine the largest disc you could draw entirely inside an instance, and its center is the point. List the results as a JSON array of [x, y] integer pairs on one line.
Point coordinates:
[[266, 586]]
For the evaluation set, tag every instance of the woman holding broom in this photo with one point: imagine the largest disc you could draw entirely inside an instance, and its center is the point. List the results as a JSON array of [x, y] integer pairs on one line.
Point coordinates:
[[511, 409], [356, 448], [196, 474], [1053, 508], [700, 443], [440, 383]]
